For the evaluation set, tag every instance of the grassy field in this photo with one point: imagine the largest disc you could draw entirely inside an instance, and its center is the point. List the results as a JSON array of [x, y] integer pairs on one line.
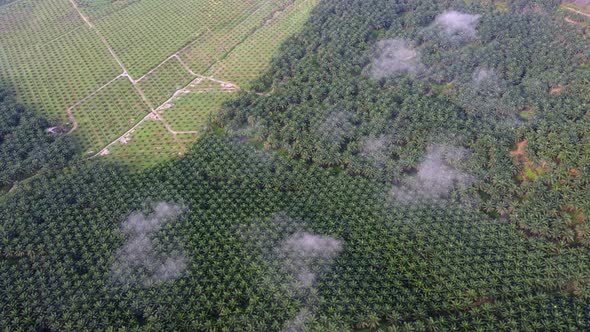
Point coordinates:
[[108, 115], [49, 57], [164, 81], [148, 145], [251, 57], [110, 63]]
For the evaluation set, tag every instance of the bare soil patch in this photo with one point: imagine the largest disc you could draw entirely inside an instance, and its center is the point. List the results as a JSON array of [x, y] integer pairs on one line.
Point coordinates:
[[555, 89], [519, 152], [530, 170]]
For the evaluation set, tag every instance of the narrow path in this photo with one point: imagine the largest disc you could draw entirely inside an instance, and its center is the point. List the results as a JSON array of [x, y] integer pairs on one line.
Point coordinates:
[[84, 17], [224, 84], [101, 37], [125, 72], [185, 66], [175, 55], [569, 20], [104, 150], [154, 114], [576, 11]]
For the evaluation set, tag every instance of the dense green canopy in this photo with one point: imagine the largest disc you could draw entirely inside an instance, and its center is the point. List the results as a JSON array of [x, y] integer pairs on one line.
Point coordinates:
[[28, 142], [451, 192]]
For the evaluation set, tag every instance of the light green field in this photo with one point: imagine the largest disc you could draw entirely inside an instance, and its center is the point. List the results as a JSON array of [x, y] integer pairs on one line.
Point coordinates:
[[108, 115], [49, 56], [164, 81], [146, 32], [60, 55], [215, 44], [251, 57], [148, 145], [192, 111], [188, 117]]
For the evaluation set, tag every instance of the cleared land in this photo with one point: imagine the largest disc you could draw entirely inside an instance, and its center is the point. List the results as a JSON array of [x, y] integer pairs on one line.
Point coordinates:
[[102, 118], [105, 68], [50, 57], [187, 115]]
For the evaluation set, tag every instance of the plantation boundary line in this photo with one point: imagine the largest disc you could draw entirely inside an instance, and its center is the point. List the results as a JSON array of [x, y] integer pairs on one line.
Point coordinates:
[[187, 68], [191, 43], [63, 35], [271, 17], [114, 55], [118, 60], [142, 95], [225, 84], [576, 11], [84, 17], [570, 20], [154, 69], [176, 55], [100, 36]]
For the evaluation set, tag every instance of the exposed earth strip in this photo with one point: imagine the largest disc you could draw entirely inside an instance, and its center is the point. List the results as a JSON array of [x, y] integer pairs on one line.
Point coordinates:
[[577, 11]]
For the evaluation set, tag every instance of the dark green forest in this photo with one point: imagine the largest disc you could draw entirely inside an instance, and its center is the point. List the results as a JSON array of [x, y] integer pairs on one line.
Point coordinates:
[[402, 166], [29, 143]]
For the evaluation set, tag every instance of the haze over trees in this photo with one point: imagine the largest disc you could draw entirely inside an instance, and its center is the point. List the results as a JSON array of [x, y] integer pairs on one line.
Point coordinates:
[[403, 165], [488, 79]]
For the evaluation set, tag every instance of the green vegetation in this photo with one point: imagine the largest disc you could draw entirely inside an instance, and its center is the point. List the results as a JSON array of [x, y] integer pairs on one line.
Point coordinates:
[[193, 111], [90, 47], [251, 57], [108, 115], [159, 31], [148, 145], [73, 64], [408, 266], [215, 44], [163, 82], [414, 165], [467, 92], [28, 143]]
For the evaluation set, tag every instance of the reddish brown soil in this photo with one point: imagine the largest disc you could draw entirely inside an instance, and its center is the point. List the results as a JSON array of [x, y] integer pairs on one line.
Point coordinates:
[[519, 152], [525, 161]]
